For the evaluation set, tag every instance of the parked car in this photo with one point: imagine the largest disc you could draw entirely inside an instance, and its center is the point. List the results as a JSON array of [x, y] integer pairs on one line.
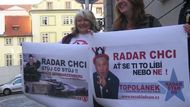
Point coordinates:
[[15, 85]]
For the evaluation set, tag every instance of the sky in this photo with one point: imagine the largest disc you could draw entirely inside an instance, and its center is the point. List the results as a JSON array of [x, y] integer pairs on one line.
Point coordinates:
[[4, 2]]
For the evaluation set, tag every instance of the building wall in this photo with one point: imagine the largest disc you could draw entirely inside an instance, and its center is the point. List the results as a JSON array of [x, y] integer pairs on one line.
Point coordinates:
[[95, 11], [57, 4], [55, 29], [15, 50], [158, 8], [8, 73]]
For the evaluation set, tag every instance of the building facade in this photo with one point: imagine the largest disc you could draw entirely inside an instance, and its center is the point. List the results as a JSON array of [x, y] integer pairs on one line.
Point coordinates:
[[53, 19], [15, 25], [16, 28]]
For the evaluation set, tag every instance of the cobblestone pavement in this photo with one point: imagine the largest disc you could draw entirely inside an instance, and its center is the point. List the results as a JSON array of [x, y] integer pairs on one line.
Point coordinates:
[[18, 100]]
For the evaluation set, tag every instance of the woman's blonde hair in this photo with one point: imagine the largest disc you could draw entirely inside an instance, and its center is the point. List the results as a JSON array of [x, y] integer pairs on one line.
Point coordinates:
[[90, 17]]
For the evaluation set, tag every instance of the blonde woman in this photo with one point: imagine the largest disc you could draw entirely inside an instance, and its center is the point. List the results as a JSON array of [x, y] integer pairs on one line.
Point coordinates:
[[85, 23]]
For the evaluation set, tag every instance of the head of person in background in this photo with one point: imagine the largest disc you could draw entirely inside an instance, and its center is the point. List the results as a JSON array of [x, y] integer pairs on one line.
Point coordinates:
[[84, 23], [130, 14]]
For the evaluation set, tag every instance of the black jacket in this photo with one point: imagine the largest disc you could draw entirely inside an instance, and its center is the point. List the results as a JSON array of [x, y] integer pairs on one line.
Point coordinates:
[[111, 89]]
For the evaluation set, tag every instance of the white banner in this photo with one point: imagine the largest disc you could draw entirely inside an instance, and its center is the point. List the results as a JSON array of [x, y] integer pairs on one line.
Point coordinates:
[[146, 67], [151, 66], [57, 75]]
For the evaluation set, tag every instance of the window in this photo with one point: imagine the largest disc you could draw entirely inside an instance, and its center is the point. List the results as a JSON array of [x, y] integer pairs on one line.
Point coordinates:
[[49, 5], [99, 10], [20, 40], [8, 41], [68, 20], [15, 27], [44, 20], [18, 81], [45, 37], [9, 60], [68, 5], [48, 20]]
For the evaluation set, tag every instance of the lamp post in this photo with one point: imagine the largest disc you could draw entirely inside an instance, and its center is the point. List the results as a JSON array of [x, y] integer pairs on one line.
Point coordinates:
[[87, 4]]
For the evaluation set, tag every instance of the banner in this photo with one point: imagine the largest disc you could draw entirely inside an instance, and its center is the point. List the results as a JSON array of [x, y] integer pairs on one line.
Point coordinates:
[[57, 74], [141, 68], [145, 67]]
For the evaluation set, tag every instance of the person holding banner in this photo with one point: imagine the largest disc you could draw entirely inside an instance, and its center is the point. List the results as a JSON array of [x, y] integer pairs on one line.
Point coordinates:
[[85, 23], [130, 14], [106, 84]]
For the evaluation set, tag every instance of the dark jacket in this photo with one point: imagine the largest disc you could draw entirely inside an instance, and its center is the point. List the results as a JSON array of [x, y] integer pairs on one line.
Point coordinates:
[[110, 90], [183, 12], [31, 73], [67, 39], [148, 22]]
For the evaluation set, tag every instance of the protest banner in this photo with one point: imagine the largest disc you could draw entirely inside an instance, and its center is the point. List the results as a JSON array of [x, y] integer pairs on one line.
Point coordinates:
[[151, 66], [56, 74], [139, 68]]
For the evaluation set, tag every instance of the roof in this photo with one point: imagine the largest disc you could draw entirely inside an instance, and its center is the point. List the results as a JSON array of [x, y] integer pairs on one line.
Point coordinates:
[[5, 7], [17, 26]]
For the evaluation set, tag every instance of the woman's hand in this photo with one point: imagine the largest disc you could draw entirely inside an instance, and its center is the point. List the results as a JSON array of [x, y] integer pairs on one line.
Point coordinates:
[[187, 29]]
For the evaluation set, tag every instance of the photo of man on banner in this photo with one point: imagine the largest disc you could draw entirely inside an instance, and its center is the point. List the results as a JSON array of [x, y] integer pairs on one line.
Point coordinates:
[[31, 73], [106, 84]]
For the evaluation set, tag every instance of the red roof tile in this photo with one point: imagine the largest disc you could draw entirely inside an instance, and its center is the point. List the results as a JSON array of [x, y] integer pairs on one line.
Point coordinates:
[[18, 26]]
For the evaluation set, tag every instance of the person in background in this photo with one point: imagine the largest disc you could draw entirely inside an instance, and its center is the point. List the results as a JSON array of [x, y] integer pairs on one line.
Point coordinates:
[[84, 23], [130, 14], [184, 18], [184, 15]]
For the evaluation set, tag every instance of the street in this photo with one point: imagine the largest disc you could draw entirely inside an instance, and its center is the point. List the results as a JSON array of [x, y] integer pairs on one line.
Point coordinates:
[[18, 100]]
